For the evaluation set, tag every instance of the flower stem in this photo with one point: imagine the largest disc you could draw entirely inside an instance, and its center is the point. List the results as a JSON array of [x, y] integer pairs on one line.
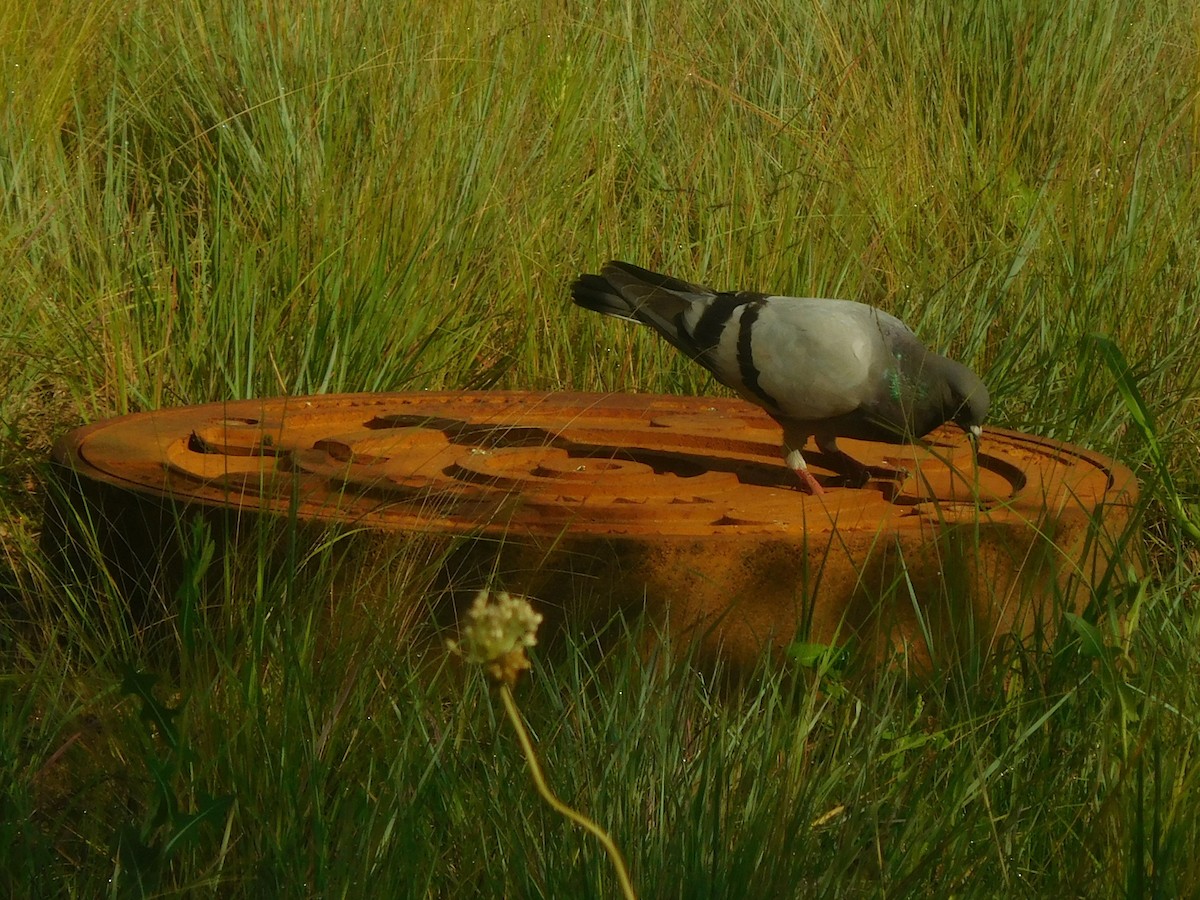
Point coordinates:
[[535, 769]]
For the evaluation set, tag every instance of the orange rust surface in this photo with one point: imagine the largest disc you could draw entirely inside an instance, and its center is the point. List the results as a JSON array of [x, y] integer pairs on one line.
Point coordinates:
[[684, 502], [598, 464]]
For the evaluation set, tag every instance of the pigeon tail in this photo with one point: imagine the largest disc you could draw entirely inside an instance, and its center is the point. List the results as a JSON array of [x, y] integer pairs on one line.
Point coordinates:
[[626, 291], [623, 274], [595, 293]]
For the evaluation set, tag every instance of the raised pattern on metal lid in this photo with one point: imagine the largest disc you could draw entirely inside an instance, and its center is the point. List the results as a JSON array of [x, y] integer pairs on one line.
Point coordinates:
[[541, 462]]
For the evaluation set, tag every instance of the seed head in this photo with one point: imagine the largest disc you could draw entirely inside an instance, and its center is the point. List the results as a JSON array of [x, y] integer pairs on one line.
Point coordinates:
[[496, 634]]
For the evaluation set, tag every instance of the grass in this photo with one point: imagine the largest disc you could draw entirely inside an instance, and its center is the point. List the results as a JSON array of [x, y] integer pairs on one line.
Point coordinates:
[[222, 200]]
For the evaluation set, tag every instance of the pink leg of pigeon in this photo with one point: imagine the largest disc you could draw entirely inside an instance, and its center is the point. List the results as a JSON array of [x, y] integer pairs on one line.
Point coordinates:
[[796, 463]]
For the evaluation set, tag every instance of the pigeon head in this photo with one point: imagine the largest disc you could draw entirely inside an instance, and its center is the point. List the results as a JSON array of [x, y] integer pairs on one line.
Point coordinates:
[[966, 398]]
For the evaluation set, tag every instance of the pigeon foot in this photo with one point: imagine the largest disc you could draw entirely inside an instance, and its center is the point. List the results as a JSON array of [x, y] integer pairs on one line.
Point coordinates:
[[857, 474], [811, 484], [795, 462]]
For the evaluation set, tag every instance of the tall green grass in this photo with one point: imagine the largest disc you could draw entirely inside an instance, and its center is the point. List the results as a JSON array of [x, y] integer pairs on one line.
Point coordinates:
[[219, 200]]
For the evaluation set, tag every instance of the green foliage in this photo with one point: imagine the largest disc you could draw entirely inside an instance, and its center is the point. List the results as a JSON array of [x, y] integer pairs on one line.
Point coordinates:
[[143, 849], [1186, 515], [218, 200]]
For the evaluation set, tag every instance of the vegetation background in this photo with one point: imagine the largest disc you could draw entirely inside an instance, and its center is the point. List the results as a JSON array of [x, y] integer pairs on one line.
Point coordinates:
[[229, 199]]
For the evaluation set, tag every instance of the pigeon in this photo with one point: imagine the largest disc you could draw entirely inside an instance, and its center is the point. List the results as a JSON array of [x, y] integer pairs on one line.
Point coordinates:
[[821, 368]]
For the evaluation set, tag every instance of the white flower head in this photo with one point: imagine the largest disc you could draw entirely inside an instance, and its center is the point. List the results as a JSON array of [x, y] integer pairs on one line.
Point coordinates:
[[496, 634]]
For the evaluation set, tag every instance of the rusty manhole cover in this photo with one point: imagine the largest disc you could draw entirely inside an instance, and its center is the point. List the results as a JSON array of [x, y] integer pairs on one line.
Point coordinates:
[[682, 503]]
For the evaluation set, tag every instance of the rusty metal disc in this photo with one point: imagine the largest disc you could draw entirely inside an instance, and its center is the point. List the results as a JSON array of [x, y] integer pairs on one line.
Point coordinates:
[[682, 501]]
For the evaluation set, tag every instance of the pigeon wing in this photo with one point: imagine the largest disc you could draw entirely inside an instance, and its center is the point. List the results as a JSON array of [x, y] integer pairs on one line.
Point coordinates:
[[819, 359]]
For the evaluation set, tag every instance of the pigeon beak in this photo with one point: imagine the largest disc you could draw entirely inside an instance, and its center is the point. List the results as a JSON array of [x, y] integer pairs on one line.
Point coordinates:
[[974, 433]]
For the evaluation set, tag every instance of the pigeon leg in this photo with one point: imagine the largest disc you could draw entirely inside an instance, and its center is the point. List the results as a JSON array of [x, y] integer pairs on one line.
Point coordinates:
[[795, 462], [856, 472]]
